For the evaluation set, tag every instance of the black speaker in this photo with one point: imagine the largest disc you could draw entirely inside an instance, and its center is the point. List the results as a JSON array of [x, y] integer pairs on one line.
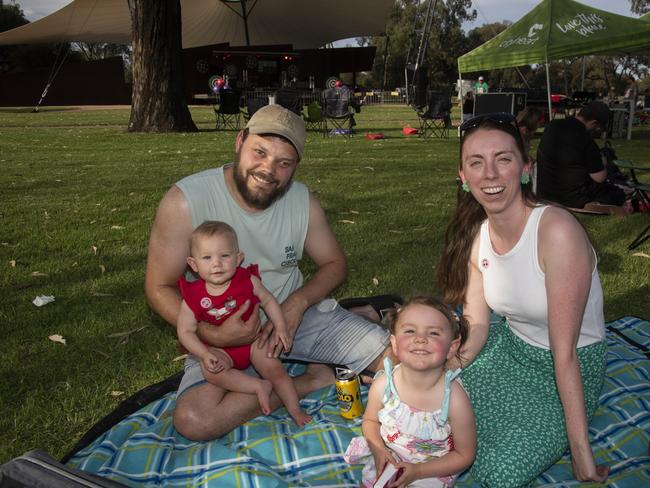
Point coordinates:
[[487, 103], [420, 85]]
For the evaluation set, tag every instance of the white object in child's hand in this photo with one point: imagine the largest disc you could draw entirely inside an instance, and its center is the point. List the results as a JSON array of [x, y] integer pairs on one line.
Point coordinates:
[[390, 473]]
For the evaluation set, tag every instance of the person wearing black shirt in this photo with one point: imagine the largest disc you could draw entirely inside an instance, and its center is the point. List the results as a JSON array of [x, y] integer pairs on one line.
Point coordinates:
[[570, 169]]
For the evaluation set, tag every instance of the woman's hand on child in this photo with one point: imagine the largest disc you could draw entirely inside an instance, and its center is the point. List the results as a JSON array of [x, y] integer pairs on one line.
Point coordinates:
[[212, 363]]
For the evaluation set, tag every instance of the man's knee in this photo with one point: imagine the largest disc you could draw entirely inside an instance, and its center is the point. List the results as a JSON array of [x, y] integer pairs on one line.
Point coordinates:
[[188, 422]]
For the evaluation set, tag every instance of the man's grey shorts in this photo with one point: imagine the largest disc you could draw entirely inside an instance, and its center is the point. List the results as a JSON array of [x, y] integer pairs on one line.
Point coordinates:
[[329, 334]]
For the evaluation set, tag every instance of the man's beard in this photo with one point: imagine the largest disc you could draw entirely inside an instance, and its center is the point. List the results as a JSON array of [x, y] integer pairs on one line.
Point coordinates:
[[259, 200]]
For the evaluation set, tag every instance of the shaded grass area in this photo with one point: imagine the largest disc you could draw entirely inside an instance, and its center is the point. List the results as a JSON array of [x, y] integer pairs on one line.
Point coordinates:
[[78, 197]]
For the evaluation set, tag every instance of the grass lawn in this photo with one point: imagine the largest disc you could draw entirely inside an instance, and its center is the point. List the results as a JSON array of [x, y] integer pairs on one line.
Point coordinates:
[[78, 197]]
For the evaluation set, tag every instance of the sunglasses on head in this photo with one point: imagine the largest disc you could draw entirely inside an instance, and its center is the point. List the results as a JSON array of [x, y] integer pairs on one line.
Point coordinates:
[[500, 118]]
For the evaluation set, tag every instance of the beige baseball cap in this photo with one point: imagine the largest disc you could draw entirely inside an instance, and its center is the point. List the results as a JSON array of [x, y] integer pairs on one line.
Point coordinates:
[[277, 120]]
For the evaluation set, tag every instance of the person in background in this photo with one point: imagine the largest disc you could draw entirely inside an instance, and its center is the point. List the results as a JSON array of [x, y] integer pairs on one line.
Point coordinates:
[[467, 105], [481, 86], [570, 169], [632, 92]]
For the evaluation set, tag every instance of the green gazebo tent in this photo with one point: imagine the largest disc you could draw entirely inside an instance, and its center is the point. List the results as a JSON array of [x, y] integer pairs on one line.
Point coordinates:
[[557, 29]]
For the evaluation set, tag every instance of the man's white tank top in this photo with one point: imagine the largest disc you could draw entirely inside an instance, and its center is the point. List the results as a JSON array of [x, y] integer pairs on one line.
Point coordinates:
[[273, 238], [514, 287]]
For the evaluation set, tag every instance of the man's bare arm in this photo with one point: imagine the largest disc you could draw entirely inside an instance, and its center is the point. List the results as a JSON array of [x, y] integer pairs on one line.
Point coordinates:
[[169, 247]]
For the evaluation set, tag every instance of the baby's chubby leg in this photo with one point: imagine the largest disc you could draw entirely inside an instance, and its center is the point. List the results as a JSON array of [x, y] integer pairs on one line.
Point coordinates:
[[272, 369], [235, 380]]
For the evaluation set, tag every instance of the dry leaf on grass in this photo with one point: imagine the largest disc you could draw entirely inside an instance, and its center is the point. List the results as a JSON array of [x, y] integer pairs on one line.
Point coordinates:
[[641, 255], [12, 263], [102, 268], [179, 358], [94, 248], [375, 281], [116, 393], [102, 294], [346, 221], [370, 168], [57, 338], [117, 227], [356, 212], [38, 273]]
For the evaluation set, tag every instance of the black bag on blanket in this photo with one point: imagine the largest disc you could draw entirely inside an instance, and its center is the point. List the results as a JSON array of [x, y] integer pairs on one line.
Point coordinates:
[[36, 469]]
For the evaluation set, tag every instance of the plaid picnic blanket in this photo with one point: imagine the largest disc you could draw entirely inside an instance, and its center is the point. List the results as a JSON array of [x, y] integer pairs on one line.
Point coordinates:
[[145, 450]]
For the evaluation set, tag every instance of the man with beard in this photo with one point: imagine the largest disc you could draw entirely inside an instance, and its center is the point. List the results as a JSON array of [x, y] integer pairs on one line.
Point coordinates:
[[276, 219]]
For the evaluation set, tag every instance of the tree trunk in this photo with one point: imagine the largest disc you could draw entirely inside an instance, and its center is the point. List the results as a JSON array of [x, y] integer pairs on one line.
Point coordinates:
[[158, 99]]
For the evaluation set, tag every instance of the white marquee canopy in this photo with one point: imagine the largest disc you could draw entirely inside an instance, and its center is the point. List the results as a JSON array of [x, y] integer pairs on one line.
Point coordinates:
[[306, 24]]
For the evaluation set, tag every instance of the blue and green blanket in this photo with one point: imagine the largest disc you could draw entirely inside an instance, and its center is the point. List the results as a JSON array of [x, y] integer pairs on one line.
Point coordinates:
[[145, 450]]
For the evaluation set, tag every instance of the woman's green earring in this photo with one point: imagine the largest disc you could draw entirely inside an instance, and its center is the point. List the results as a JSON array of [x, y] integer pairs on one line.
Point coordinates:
[[525, 178], [465, 187]]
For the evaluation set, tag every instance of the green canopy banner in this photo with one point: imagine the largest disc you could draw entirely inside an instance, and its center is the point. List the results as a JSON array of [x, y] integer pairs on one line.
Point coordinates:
[[558, 29]]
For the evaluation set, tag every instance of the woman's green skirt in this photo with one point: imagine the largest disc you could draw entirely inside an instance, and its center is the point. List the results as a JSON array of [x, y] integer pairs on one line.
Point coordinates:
[[519, 417]]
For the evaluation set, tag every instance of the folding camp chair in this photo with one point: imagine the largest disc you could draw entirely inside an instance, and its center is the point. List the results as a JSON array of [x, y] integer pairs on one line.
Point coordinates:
[[435, 119], [253, 105], [642, 194], [290, 99], [314, 119], [228, 114], [336, 102]]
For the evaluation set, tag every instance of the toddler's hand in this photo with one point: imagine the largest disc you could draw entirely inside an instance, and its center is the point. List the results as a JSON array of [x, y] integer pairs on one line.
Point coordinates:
[[382, 458], [285, 339], [212, 363], [409, 473]]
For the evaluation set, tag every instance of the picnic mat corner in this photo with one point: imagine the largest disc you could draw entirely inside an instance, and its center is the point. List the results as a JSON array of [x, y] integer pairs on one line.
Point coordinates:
[[145, 450]]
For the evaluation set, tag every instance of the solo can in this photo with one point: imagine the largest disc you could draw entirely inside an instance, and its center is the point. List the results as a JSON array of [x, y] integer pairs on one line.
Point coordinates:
[[348, 393]]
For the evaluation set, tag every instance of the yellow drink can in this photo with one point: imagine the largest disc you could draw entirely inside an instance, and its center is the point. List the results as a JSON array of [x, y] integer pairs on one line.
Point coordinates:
[[348, 394]]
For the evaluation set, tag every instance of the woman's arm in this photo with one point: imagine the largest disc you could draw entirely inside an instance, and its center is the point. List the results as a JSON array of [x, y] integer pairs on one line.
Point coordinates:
[[568, 280], [477, 313]]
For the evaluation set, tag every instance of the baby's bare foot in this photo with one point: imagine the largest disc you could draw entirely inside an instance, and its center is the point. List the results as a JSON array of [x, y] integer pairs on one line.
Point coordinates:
[[300, 417], [263, 394]]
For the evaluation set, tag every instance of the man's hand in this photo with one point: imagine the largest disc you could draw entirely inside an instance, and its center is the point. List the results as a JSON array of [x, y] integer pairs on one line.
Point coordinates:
[[233, 331], [293, 311]]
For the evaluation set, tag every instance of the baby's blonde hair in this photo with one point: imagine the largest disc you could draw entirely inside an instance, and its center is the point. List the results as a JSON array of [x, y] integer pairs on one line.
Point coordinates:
[[211, 228]]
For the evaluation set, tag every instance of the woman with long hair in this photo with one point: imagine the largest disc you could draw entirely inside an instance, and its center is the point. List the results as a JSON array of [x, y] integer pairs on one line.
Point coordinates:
[[534, 380]]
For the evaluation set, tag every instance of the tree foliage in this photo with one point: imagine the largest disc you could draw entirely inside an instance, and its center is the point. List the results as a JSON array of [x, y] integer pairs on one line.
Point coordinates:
[[446, 41], [640, 6], [19, 58]]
